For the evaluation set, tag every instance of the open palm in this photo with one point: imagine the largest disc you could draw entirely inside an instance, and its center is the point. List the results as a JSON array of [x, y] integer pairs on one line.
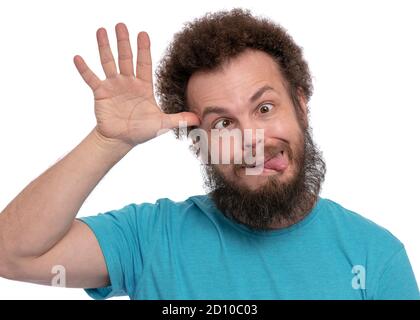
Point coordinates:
[[125, 106]]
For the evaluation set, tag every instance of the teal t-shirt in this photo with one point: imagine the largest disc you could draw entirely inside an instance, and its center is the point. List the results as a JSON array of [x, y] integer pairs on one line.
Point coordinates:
[[190, 250]]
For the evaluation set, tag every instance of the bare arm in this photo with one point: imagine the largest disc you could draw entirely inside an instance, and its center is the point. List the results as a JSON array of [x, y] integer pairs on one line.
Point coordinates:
[[38, 223], [38, 229]]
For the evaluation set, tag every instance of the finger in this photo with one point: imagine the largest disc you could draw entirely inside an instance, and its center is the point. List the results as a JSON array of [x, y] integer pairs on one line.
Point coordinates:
[[90, 78], [178, 120], [105, 53], [125, 56], [144, 58]]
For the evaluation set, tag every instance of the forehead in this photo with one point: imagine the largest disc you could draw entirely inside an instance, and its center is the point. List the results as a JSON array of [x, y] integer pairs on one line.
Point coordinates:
[[235, 81]]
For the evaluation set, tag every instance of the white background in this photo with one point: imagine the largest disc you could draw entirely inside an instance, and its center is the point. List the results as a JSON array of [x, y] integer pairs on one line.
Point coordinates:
[[364, 56]]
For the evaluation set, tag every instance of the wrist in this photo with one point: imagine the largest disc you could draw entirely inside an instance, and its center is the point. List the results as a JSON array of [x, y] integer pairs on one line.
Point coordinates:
[[109, 144]]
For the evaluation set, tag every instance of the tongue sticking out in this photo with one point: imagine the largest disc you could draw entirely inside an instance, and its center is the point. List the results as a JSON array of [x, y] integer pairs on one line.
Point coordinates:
[[278, 163]]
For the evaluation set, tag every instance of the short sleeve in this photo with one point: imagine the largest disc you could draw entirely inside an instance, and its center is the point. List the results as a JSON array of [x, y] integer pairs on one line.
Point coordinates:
[[397, 281], [124, 244]]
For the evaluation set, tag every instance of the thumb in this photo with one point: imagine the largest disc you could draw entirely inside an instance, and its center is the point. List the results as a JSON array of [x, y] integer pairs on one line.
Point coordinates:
[[178, 120]]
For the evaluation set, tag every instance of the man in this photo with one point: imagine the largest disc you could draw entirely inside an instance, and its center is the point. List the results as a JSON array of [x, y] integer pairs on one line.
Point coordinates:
[[261, 232]]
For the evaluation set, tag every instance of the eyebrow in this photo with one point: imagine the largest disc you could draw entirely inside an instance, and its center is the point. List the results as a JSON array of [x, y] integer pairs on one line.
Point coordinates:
[[221, 110], [259, 93], [216, 110]]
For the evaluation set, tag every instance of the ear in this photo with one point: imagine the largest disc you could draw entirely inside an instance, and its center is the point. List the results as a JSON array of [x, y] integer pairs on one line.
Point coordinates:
[[303, 106]]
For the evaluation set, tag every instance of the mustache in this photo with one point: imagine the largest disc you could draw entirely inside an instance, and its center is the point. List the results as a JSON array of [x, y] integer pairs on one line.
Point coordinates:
[[269, 152]]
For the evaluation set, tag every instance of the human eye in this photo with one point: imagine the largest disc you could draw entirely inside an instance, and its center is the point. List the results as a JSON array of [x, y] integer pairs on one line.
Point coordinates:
[[222, 124], [265, 108]]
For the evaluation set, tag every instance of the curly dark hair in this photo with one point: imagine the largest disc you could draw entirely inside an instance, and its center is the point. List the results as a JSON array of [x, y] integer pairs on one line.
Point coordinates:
[[208, 42]]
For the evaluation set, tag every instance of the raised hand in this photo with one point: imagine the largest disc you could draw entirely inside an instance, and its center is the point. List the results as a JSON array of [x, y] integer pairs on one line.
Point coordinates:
[[125, 106]]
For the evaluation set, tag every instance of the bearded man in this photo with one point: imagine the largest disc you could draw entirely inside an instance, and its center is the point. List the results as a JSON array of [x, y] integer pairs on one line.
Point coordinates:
[[262, 231]]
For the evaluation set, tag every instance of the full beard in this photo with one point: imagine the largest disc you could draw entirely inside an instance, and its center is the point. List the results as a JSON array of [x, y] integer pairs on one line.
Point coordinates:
[[276, 202]]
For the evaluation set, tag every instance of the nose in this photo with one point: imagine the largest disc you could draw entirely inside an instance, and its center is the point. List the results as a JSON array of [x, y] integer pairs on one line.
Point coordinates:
[[253, 136]]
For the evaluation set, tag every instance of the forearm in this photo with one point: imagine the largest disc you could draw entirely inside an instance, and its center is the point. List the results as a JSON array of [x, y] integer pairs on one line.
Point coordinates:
[[44, 211]]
